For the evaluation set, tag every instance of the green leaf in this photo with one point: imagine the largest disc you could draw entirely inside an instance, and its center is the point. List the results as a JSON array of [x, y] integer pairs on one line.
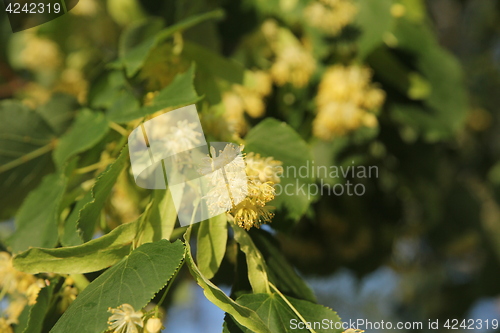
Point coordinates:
[[278, 140], [104, 92], [87, 130], [124, 106], [70, 236], [179, 92], [87, 212], [135, 280], [92, 256], [243, 315], [257, 271], [39, 310], [162, 218], [375, 20], [23, 319], [133, 59], [280, 272], [213, 63], [25, 140], [38, 218], [137, 33], [58, 112], [280, 317], [211, 247]]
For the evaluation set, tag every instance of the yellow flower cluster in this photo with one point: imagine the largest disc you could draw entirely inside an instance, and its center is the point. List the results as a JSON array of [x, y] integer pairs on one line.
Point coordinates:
[[68, 294], [346, 101], [87, 8], [21, 288], [248, 98], [331, 16], [73, 83], [5, 327], [40, 53], [293, 63], [262, 174]]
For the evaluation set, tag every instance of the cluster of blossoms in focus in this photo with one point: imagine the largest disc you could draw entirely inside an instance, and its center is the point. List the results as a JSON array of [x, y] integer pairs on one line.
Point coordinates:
[[243, 194]]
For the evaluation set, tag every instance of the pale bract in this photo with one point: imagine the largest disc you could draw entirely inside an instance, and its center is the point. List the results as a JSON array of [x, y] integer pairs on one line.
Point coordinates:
[[170, 151]]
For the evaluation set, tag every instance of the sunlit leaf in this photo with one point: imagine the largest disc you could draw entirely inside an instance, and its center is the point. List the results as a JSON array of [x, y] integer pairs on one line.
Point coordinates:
[[257, 271], [241, 314], [135, 280], [38, 218], [83, 218], [211, 246], [87, 130]]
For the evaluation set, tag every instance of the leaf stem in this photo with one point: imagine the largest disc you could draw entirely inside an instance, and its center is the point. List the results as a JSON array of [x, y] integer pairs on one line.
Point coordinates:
[[118, 128], [291, 306], [29, 156], [94, 166]]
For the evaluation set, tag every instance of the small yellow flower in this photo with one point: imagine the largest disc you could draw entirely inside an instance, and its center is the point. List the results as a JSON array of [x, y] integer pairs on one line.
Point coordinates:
[[235, 112], [262, 173], [69, 294], [252, 101], [293, 65], [226, 172], [33, 95], [249, 213], [40, 53], [15, 308], [33, 291], [346, 100], [12, 280], [248, 98], [398, 10], [264, 169], [331, 16], [125, 319], [153, 325], [240, 186], [261, 82], [85, 8], [73, 82], [5, 326]]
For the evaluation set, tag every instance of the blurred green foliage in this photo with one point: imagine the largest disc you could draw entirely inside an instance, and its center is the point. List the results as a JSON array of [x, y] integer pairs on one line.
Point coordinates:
[[338, 83]]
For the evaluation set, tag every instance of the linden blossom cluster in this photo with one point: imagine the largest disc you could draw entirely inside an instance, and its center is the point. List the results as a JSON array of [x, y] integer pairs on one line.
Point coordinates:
[[347, 100], [241, 185], [21, 291]]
